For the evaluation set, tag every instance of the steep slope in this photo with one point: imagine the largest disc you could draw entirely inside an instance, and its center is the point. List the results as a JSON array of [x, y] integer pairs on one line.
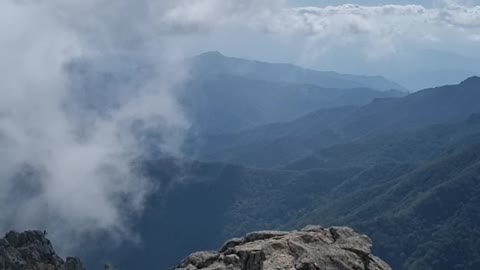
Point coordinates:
[[425, 219], [230, 103], [423, 215], [411, 146], [387, 184], [277, 143], [213, 63], [427, 107], [383, 117], [197, 208], [313, 247], [366, 186]]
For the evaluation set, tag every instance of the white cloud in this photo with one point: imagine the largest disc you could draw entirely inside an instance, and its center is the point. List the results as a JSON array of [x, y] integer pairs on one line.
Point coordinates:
[[63, 167], [376, 30], [380, 30], [79, 158]]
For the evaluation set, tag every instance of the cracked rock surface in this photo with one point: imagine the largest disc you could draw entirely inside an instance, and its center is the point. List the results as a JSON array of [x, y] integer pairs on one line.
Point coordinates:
[[312, 248], [31, 250]]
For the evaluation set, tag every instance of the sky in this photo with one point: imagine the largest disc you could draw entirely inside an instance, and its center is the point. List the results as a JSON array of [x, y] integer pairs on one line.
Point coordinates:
[[419, 44], [70, 139], [299, 3]]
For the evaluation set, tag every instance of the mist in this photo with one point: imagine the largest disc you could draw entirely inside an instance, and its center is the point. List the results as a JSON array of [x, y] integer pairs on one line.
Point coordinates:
[[83, 82], [69, 149]]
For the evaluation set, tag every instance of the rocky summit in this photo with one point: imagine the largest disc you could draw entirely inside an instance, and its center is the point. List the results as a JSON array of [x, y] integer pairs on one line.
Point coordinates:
[[312, 248], [31, 250]]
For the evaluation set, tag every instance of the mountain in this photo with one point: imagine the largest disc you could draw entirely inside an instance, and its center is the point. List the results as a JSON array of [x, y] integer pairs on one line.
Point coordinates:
[[423, 108], [32, 250], [411, 147], [278, 144], [402, 169], [214, 63], [313, 247], [416, 80], [226, 104], [214, 104], [412, 191], [425, 219], [201, 205], [425, 68]]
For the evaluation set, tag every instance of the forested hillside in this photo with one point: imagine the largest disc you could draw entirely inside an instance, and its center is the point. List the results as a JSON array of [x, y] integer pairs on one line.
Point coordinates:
[[278, 144], [412, 188], [414, 191]]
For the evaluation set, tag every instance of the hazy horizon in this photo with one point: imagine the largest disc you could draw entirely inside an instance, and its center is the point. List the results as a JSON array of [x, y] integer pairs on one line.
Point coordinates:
[[415, 43]]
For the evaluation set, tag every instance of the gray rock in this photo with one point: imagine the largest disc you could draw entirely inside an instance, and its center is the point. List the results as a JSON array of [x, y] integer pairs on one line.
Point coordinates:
[[33, 251], [73, 263], [263, 235], [200, 259], [312, 248], [232, 243]]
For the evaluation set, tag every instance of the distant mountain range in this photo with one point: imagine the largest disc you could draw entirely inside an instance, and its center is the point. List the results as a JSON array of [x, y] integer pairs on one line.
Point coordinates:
[[279, 143], [276, 146], [226, 103], [226, 94], [229, 94], [214, 63]]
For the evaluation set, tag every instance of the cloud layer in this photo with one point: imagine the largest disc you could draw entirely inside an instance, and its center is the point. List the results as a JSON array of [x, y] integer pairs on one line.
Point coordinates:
[[378, 30], [80, 76], [66, 162]]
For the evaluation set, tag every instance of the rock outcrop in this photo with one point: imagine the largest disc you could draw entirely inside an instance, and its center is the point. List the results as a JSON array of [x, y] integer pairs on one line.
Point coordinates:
[[31, 250], [312, 248]]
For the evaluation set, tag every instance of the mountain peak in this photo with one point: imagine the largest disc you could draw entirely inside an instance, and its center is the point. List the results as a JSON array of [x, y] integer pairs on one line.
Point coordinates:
[[212, 54], [474, 80], [32, 250]]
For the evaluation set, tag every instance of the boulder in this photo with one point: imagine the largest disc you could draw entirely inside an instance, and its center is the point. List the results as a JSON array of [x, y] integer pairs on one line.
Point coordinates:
[[312, 248]]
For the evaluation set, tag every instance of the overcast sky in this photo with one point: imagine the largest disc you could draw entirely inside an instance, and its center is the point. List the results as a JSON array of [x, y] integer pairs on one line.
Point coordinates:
[[360, 2], [419, 43]]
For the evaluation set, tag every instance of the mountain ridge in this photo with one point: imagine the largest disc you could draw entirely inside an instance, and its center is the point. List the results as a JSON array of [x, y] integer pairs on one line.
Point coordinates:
[[217, 63], [229, 103], [381, 117]]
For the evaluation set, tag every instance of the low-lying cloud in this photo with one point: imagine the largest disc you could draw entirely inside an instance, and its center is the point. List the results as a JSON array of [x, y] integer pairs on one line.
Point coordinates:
[[68, 142], [83, 80]]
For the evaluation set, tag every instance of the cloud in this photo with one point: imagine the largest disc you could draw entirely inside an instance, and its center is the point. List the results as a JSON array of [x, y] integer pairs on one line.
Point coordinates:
[[83, 81], [190, 16], [376, 30], [379, 30], [65, 166]]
